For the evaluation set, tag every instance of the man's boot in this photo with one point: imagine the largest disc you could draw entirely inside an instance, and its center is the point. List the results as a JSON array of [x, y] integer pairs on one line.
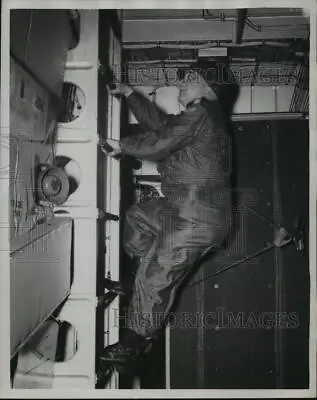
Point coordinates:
[[116, 287], [124, 355]]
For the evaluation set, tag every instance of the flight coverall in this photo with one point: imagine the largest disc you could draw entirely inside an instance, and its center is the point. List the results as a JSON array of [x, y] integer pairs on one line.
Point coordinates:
[[192, 151]]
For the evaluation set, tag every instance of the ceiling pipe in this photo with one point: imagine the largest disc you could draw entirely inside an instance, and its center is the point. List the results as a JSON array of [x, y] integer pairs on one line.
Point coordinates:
[[169, 61], [204, 45], [241, 16]]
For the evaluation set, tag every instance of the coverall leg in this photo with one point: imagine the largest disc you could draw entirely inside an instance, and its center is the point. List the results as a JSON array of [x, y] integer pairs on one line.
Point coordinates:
[[168, 240]]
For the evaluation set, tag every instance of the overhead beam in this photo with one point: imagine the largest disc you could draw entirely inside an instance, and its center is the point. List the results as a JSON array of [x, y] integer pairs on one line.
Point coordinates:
[[204, 30], [241, 16]]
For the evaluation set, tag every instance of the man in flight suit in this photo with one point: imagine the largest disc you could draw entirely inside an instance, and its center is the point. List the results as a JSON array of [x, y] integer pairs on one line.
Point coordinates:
[[168, 235]]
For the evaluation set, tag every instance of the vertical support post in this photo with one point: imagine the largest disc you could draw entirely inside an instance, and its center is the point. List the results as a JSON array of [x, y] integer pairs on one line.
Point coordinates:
[[113, 203], [278, 262]]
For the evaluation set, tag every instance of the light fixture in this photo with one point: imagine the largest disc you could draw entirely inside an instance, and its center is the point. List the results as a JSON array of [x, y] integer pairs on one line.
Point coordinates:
[[213, 52]]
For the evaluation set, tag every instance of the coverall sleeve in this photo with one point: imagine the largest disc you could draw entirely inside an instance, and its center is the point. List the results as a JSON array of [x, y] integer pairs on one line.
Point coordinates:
[[148, 114], [155, 146]]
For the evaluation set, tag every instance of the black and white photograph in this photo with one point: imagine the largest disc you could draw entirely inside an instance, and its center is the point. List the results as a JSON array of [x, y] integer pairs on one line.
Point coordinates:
[[158, 199]]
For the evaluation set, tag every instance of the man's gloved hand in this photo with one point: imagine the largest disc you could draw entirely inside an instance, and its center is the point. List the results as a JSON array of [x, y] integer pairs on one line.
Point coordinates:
[[111, 147], [119, 89]]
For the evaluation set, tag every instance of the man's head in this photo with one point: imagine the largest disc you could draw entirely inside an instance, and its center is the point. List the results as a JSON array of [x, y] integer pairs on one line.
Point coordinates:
[[193, 86], [207, 79]]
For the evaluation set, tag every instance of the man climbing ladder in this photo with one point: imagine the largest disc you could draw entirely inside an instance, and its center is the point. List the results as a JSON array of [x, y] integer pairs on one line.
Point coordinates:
[[168, 235]]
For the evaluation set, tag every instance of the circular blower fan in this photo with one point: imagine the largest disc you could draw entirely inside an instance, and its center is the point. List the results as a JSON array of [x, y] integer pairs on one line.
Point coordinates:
[[53, 184]]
